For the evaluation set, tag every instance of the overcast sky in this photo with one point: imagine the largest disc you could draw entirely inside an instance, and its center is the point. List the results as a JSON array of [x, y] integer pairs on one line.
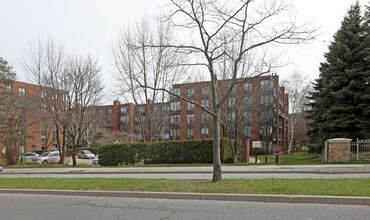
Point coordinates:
[[89, 26]]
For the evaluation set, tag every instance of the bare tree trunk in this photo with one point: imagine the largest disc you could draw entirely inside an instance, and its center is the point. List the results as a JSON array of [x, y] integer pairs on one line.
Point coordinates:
[[74, 161], [217, 172], [291, 137]]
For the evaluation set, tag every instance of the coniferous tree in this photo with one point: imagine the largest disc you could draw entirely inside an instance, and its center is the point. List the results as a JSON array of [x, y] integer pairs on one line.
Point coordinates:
[[340, 92]]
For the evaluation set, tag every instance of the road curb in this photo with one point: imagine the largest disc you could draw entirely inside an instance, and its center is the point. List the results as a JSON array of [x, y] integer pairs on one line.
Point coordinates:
[[203, 196]]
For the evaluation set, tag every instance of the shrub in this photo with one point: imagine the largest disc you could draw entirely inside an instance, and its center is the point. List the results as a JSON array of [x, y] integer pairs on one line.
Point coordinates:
[[171, 152]]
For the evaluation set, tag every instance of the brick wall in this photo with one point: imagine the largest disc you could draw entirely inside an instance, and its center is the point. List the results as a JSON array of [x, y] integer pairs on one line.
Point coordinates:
[[339, 150]]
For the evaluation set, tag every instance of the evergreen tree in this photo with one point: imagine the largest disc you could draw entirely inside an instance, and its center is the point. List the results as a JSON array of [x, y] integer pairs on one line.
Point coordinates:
[[365, 96], [337, 108], [6, 71]]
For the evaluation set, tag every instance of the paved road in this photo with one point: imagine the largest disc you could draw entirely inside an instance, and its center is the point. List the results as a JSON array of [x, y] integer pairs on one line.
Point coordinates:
[[191, 176], [17, 206]]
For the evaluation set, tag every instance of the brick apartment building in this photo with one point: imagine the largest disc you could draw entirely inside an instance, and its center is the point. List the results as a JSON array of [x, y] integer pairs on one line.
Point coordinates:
[[28, 117], [257, 110]]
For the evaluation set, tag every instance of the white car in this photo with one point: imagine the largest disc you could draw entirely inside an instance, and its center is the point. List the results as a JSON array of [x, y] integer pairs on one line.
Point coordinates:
[[95, 161], [85, 154], [49, 157], [28, 157]]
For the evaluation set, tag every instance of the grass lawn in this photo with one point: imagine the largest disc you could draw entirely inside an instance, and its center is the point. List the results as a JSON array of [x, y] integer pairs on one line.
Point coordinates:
[[294, 158], [332, 187]]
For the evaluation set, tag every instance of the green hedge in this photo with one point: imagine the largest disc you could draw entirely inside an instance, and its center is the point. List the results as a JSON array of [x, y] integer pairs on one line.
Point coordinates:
[[164, 152]]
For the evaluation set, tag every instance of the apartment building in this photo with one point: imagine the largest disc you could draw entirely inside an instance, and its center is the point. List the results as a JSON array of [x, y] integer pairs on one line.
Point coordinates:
[[257, 110], [26, 119]]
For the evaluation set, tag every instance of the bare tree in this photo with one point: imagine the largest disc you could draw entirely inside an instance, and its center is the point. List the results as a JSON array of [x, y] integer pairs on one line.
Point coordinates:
[[297, 88], [140, 67], [45, 62], [18, 114], [239, 30], [70, 86], [84, 90]]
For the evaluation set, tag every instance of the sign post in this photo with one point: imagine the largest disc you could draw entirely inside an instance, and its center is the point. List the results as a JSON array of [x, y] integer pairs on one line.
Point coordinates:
[[255, 146]]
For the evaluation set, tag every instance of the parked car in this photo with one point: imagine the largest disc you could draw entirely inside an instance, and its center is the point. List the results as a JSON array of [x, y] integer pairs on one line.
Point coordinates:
[[49, 157], [39, 152], [29, 157], [1, 168], [95, 161], [85, 154]]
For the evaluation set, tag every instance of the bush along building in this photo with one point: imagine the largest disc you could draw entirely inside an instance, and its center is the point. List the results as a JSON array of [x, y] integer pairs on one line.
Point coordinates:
[[257, 110]]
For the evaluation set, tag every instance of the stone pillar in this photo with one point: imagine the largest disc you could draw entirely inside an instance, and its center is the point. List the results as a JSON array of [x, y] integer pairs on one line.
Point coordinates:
[[339, 150]]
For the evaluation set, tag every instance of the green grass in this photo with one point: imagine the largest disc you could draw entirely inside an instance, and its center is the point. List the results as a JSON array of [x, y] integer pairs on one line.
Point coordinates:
[[337, 187], [294, 158]]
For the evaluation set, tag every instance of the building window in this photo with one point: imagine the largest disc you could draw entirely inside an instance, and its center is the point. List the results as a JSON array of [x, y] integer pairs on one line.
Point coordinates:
[[123, 110], [174, 119], [43, 135], [231, 116], [190, 92], [141, 109], [267, 84], [175, 133], [108, 120], [247, 87], [204, 118], [175, 93], [22, 91], [232, 102], [190, 119], [190, 106], [204, 131], [164, 108], [190, 133], [247, 132], [166, 136], [267, 99], [174, 106], [205, 91], [43, 108], [205, 103], [109, 111], [8, 88], [248, 101], [124, 119], [43, 95], [139, 137]]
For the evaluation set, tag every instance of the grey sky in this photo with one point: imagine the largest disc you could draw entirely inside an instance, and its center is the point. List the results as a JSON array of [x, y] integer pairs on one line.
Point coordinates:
[[89, 26]]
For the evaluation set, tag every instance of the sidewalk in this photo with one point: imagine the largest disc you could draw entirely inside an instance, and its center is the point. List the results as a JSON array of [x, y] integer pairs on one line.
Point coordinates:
[[318, 169]]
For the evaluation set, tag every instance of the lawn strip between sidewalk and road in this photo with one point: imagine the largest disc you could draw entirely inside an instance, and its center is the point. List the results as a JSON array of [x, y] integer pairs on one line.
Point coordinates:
[[319, 187]]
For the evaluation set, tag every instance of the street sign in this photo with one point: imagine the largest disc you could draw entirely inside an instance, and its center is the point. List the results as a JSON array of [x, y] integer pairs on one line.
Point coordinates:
[[256, 144]]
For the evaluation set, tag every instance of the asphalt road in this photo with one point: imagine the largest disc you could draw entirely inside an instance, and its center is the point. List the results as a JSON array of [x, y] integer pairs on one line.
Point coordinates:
[[190, 176], [18, 206]]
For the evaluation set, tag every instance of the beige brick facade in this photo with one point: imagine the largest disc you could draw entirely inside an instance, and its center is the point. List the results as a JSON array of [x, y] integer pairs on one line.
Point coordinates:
[[339, 150]]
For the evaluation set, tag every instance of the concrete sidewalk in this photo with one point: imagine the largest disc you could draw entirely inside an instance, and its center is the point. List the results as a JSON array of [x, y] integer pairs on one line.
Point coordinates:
[[314, 169]]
